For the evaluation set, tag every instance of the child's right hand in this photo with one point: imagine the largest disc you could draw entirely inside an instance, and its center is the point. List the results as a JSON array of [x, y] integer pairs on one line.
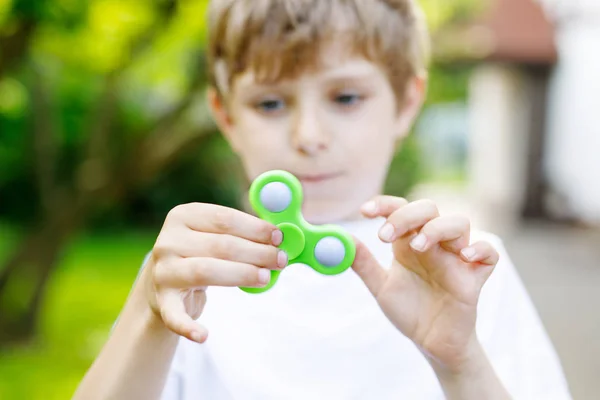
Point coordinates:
[[203, 245]]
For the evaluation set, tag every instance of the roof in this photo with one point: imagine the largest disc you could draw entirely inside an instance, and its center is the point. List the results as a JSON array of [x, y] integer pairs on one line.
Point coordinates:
[[520, 32], [515, 31]]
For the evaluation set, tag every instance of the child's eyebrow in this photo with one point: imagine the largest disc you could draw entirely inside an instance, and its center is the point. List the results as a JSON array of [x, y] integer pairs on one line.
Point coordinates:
[[350, 77], [250, 90], [248, 82], [350, 71]]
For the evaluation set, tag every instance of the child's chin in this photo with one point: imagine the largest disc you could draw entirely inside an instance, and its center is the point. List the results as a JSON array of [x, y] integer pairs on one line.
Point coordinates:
[[320, 212]]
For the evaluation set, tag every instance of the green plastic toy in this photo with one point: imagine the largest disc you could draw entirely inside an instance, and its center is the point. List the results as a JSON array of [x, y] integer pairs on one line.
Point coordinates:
[[277, 197]]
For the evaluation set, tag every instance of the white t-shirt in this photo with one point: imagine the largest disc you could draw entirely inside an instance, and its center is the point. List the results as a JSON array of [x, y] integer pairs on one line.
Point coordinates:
[[324, 337]]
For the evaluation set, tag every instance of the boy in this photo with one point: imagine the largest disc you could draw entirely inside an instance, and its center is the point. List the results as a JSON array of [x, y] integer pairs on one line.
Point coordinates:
[[324, 89]]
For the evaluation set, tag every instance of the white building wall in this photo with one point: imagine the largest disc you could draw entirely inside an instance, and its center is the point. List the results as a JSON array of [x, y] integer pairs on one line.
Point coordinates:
[[564, 10], [499, 108], [573, 140]]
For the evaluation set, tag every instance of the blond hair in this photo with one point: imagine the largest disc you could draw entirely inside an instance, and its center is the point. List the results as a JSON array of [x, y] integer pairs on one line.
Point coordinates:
[[278, 39]]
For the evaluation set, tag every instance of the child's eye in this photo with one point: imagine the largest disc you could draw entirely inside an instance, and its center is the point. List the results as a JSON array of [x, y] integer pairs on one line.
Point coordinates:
[[271, 105], [347, 99]]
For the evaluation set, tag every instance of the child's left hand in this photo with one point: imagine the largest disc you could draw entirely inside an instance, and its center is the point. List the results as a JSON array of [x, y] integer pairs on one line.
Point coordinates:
[[431, 291]]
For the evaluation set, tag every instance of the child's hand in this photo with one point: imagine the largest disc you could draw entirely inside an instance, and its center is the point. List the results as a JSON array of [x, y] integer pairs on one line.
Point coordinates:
[[204, 245], [431, 291]]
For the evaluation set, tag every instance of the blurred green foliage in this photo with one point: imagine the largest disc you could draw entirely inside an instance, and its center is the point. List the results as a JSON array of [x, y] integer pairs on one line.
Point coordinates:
[[139, 58], [440, 13], [149, 48], [83, 300]]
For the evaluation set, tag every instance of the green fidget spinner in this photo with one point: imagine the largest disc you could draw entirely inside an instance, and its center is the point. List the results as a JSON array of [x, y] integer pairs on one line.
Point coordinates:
[[276, 196]]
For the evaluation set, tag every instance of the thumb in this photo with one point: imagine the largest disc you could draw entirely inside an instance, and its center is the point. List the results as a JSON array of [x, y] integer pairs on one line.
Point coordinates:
[[368, 268]]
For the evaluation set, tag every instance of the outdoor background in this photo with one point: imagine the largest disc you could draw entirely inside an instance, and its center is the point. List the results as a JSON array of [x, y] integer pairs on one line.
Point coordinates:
[[104, 129]]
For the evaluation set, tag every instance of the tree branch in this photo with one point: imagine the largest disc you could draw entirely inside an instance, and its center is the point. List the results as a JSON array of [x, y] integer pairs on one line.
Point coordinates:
[[14, 46], [94, 171], [45, 144], [163, 127], [166, 139]]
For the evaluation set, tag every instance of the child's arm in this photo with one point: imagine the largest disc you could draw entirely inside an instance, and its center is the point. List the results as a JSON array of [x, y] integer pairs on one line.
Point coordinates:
[[432, 290], [200, 245], [135, 361], [476, 379]]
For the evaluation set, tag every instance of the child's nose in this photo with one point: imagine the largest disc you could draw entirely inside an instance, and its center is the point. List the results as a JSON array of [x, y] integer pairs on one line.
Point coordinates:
[[309, 136]]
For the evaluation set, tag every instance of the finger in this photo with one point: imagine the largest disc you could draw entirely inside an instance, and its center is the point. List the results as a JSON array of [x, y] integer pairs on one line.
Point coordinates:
[[176, 319], [408, 218], [452, 232], [480, 252], [382, 206], [200, 271], [233, 248], [227, 247], [368, 268], [218, 219]]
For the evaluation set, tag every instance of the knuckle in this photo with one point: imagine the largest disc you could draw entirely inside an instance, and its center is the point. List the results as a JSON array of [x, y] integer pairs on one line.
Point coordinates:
[[160, 275], [222, 219], [222, 247], [165, 316], [485, 246], [466, 224], [430, 205], [161, 249], [390, 202], [379, 200], [182, 329], [170, 322], [456, 221], [199, 273], [433, 232], [399, 216], [431, 228], [463, 220], [177, 212], [165, 246], [400, 201], [182, 212]]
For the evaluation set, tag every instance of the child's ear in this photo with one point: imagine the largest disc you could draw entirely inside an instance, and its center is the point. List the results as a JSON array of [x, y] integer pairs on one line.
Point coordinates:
[[414, 97], [221, 115]]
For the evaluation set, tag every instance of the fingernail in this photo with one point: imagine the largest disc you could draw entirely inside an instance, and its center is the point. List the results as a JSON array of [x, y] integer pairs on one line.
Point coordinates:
[[387, 232], [369, 207], [196, 336], [468, 253], [419, 243], [282, 259], [264, 276], [277, 237]]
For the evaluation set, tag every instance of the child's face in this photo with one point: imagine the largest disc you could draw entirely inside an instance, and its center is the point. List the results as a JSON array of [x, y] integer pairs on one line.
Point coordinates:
[[335, 128]]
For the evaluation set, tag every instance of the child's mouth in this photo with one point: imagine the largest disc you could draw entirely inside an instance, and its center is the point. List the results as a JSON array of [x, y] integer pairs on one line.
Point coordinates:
[[318, 178]]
